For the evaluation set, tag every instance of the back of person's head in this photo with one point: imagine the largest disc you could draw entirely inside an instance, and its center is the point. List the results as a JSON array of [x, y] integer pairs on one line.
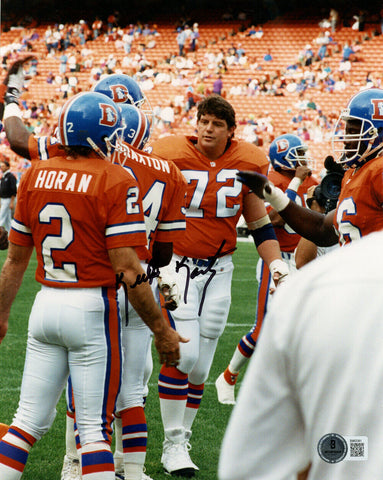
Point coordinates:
[[287, 152], [87, 121], [135, 124], [122, 88], [218, 106]]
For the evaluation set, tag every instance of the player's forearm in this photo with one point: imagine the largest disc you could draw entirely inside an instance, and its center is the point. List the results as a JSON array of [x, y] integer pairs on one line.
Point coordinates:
[[309, 224], [269, 251], [166, 339], [305, 252], [10, 281], [312, 225], [17, 134], [143, 302]]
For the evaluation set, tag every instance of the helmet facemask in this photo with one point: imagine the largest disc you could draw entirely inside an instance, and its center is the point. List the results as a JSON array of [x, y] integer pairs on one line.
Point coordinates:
[[355, 140], [297, 156]]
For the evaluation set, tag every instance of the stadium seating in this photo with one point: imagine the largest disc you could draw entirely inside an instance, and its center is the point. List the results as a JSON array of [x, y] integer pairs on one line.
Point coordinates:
[[285, 37]]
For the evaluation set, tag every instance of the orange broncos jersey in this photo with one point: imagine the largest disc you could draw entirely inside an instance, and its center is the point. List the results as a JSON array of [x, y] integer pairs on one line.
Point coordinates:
[[162, 189], [360, 206], [214, 195], [72, 211], [287, 238], [42, 148]]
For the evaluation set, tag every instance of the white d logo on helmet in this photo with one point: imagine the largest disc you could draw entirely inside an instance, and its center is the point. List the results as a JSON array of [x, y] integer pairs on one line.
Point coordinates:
[[282, 145], [119, 93], [378, 109], [109, 115]]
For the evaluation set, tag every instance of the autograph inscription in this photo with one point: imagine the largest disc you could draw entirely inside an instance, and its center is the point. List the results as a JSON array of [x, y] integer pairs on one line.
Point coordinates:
[[149, 276], [200, 271], [191, 272]]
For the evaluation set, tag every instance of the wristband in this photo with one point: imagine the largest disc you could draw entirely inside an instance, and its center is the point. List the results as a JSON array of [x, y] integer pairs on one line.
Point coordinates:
[[295, 183], [279, 266], [262, 234], [12, 110], [277, 199], [261, 222]]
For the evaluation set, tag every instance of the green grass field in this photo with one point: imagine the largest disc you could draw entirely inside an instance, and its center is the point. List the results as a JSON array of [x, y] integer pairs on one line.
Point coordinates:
[[45, 460]]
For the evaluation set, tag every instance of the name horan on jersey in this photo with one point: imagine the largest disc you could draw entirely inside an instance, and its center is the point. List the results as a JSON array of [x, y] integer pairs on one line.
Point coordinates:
[[61, 180], [123, 152]]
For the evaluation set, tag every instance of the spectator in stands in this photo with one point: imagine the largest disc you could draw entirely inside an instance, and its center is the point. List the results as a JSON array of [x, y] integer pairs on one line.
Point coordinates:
[[348, 53], [255, 32], [112, 21], [334, 19], [251, 32], [268, 56], [157, 109], [181, 40], [96, 28], [127, 40], [323, 40], [50, 78], [194, 37], [218, 85], [340, 82], [308, 55], [168, 116]]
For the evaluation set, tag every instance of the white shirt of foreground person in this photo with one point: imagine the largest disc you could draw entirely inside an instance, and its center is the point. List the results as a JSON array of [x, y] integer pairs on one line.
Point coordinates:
[[317, 370]]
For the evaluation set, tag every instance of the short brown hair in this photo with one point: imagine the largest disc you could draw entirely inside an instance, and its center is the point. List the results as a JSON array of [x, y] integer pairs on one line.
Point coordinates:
[[216, 105]]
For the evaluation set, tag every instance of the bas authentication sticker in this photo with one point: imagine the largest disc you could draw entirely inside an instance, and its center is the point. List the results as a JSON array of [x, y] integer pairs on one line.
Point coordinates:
[[332, 448]]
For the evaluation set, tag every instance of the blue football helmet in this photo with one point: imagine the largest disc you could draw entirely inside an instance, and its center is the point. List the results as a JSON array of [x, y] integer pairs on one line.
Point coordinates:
[[136, 126], [287, 152], [358, 133], [121, 89], [89, 119]]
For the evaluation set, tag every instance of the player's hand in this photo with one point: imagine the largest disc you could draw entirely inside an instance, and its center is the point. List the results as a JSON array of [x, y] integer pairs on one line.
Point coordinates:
[[169, 288], [15, 67], [171, 297], [3, 239], [302, 172], [264, 189], [257, 182], [279, 271], [15, 80], [167, 344]]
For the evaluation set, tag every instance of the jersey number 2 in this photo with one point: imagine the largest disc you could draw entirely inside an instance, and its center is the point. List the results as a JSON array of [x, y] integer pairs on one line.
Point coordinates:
[[51, 243]]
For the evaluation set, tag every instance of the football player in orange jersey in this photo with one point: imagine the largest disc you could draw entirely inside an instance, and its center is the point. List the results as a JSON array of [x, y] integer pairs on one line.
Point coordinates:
[[163, 190], [292, 174], [358, 146], [73, 210], [202, 263]]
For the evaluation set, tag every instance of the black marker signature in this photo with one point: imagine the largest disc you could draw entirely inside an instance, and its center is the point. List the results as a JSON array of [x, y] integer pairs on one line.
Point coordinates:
[[149, 276], [200, 271], [151, 273]]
